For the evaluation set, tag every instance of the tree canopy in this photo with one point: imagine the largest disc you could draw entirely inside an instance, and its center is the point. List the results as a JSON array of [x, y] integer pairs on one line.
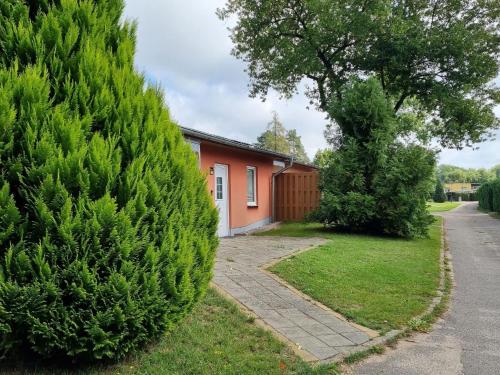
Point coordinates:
[[451, 173], [296, 146], [274, 138], [496, 170], [277, 138], [322, 157], [433, 57]]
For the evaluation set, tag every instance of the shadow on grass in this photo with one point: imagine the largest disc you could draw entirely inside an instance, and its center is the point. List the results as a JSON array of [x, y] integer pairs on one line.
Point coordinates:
[[312, 229], [215, 339], [24, 363]]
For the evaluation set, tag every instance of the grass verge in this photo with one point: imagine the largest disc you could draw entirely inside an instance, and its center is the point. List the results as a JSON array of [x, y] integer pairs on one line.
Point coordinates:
[[427, 319], [495, 215], [378, 282], [215, 339], [441, 207], [359, 356]]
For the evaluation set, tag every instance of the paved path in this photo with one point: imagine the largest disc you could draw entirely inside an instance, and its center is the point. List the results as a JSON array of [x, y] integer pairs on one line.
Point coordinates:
[[467, 341], [318, 331]]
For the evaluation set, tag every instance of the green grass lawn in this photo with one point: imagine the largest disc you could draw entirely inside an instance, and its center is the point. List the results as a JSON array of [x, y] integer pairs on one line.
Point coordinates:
[[216, 339], [441, 207], [379, 282]]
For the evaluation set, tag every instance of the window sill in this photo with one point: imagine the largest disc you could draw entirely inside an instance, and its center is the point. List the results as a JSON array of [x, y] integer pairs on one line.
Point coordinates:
[[252, 205]]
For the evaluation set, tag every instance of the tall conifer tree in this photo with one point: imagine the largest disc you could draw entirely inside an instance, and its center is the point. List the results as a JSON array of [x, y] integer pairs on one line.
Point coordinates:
[[107, 233], [439, 194]]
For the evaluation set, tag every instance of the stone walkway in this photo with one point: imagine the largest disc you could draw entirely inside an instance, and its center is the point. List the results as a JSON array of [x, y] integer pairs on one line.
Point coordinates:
[[312, 328]]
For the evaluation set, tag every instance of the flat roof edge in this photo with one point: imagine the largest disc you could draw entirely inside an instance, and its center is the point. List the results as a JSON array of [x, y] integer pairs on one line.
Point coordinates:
[[189, 132]]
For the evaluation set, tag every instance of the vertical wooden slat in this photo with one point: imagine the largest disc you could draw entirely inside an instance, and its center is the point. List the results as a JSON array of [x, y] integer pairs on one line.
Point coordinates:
[[306, 201]]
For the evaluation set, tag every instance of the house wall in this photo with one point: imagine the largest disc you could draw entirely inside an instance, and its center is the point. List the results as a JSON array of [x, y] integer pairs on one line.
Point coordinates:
[[241, 216], [457, 187]]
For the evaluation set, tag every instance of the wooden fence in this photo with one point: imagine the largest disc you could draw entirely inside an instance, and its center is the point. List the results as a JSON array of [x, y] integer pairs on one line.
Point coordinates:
[[296, 195]]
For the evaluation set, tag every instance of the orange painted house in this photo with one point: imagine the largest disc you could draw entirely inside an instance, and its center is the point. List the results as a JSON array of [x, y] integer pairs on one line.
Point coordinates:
[[240, 179]]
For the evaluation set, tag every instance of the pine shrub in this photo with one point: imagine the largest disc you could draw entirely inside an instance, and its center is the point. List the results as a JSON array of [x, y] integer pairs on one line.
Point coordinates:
[[107, 233], [373, 182], [439, 195]]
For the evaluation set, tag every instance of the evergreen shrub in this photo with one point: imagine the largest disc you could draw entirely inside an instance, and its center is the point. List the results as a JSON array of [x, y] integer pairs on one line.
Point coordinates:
[[373, 182], [489, 196], [439, 194], [107, 233]]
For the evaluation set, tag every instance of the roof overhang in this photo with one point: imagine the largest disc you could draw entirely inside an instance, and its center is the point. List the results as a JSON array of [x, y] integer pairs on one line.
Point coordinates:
[[199, 135]]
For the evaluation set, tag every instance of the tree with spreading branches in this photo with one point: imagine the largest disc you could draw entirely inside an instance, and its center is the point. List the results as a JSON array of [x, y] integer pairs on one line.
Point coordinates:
[[436, 58]]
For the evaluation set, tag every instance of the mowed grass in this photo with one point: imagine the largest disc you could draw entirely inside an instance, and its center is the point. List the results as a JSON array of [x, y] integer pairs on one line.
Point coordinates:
[[379, 282], [216, 339], [441, 207]]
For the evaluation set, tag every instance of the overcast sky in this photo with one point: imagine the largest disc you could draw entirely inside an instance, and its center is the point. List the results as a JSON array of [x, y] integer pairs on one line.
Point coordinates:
[[184, 47]]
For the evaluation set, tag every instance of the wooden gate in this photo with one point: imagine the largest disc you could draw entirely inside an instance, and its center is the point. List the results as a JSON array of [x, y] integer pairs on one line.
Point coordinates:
[[296, 195]]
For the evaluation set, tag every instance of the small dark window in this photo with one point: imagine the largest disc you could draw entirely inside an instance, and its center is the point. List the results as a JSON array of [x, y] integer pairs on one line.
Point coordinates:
[[218, 188]]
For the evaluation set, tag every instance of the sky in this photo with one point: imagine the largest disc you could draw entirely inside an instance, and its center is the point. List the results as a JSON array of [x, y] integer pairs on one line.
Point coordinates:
[[185, 48]]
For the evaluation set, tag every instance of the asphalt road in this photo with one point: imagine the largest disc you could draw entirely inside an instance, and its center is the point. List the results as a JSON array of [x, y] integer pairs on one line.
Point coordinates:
[[467, 339]]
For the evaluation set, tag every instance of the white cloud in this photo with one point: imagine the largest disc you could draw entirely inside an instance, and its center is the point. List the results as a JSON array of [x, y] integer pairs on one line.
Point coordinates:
[[183, 46]]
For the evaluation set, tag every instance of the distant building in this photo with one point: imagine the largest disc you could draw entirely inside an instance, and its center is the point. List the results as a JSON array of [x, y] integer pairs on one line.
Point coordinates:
[[461, 187], [458, 191]]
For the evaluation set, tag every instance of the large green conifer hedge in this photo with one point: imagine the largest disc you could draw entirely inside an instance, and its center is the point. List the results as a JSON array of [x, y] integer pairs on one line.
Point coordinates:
[[107, 233], [489, 196]]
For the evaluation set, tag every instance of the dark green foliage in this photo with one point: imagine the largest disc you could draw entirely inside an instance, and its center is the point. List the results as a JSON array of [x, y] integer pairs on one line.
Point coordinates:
[[434, 57], [107, 233], [372, 182], [439, 195], [321, 157], [296, 147], [489, 196]]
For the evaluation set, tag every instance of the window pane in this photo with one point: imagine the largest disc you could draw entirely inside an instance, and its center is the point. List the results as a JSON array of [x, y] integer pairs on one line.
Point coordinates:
[[195, 146], [219, 188], [250, 185]]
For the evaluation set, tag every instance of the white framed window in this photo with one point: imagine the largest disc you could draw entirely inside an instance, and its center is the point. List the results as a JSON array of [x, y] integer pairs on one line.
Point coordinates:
[[251, 186]]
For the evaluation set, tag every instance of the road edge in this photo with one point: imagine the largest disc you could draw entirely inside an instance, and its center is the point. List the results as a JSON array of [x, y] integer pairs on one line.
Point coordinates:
[[424, 323]]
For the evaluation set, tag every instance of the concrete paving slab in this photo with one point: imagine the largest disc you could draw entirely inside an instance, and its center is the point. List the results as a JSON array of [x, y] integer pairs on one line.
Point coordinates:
[[238, 272]]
